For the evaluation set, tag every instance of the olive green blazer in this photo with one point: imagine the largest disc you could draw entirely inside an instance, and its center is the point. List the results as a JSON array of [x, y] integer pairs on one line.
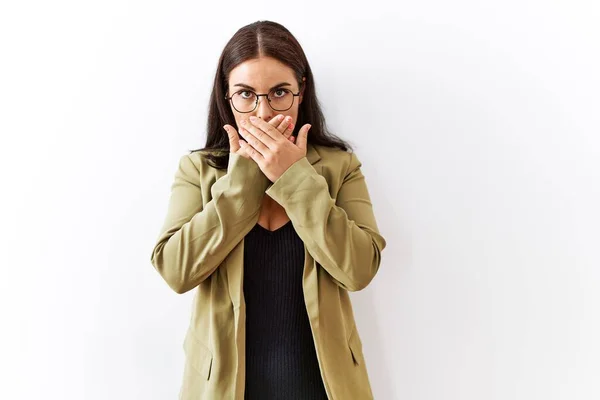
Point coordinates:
[[201, 246]]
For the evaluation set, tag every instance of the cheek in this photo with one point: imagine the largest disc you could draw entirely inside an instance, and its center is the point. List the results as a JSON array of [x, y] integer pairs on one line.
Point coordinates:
[[238, 118]]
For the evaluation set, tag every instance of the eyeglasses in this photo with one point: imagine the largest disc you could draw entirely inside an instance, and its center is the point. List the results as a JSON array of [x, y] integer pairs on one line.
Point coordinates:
[[245, 101]]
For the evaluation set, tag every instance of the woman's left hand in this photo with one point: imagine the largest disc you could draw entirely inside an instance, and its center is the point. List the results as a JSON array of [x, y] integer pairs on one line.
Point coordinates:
[[273, 153]]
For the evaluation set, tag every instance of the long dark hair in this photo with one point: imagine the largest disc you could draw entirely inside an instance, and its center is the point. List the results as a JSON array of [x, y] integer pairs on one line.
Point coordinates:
[[266, 39]]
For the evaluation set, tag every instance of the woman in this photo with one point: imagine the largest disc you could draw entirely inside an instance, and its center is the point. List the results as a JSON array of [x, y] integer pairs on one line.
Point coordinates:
[[273, 225]]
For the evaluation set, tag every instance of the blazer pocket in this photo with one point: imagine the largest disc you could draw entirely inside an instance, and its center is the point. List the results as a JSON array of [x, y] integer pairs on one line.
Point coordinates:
[[198, 355], [355, 346]]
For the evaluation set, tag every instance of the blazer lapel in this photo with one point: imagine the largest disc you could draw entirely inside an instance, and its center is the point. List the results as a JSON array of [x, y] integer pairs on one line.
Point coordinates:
[[235, 260], [312, 154], [234, 271]]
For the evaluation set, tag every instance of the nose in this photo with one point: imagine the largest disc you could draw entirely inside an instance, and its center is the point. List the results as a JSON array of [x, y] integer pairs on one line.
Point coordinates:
[[263, 109]]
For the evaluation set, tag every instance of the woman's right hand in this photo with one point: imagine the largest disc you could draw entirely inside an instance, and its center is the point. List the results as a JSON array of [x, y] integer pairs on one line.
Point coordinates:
[[278, 121]]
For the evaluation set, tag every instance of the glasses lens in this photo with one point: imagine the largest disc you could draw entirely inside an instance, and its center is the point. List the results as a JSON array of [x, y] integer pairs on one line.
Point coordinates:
[[244, 100], [281, 99]]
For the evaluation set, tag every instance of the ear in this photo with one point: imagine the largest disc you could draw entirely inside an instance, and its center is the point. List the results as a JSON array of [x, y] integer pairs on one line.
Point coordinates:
[[302, 90]]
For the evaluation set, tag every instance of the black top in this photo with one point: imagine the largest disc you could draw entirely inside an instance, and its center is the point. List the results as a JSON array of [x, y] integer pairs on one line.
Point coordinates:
[[281, 361]]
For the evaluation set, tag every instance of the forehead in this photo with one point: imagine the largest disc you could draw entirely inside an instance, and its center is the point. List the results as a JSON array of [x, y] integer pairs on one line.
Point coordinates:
[[261, 73]]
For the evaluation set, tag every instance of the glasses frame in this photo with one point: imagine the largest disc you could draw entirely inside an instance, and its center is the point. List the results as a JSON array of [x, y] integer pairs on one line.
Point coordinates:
[[258, 98]]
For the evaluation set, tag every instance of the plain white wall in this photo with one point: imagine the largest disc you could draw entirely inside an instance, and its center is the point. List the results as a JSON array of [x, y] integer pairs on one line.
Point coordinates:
[[478, 127]]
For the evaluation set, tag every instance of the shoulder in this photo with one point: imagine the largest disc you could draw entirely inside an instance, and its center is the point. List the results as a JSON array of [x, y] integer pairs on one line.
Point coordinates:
[[196, 164], [198, 158], [338, 159]]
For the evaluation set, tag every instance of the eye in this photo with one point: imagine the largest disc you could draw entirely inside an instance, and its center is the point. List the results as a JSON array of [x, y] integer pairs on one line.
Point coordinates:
[[280, 92], [246, 94]]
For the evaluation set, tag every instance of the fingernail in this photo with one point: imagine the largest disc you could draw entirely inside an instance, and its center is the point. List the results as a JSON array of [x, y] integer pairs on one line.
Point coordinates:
[[252, 118]]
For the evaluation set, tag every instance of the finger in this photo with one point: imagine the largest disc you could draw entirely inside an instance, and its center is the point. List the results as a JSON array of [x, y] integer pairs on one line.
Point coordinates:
[[289, 129], [255, 155], [234, 145], [242, 151], [302, 137], [258, 133], [284, 125], [277, 122], [292, 139], [263, 131], [254, 142]]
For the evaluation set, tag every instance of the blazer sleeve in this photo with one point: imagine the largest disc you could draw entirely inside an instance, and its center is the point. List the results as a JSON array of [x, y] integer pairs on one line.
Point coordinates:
[[341, 234], [195, 239]]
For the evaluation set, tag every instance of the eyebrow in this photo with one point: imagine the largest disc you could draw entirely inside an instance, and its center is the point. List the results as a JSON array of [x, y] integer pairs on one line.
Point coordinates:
[[251, 88]]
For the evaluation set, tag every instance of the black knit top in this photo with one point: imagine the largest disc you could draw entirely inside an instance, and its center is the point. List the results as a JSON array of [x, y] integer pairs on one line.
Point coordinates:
[[281, 361]]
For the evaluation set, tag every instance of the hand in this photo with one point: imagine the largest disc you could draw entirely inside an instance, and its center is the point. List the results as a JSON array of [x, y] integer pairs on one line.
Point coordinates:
[[271, 151], [283, 126]]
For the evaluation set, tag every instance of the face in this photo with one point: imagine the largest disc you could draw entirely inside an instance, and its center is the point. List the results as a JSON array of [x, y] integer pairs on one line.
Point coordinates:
[[261, 75]]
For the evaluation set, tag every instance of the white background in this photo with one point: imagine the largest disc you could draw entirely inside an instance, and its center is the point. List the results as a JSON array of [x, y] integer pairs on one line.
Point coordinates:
[[478, 126]]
